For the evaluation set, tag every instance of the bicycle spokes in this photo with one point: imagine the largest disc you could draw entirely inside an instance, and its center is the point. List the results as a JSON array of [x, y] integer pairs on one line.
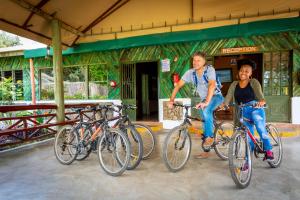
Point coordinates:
[[177, 148]]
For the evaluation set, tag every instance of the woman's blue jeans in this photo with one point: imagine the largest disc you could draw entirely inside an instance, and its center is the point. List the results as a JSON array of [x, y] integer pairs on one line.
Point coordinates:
[[207, 115], [258, 117]]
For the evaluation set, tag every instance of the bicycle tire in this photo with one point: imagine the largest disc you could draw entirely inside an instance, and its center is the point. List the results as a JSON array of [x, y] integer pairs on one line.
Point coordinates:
[[222, 137], [68, 146], [149, 141], [136, 147], [178, 133], [237, 147], [277, 146], [115, 135]]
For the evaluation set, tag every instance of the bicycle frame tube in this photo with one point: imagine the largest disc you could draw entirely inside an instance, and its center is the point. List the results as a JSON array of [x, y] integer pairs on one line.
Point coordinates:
[[246, 129]]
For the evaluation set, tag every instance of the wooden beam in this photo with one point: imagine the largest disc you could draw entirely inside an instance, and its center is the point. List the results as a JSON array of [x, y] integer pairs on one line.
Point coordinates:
[[104, 15], [31, 31], [40, 5], [96, 21], [192, 10], [24, 4]]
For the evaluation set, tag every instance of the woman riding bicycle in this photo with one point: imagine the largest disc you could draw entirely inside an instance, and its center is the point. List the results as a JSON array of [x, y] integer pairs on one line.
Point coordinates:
[[247, 90]]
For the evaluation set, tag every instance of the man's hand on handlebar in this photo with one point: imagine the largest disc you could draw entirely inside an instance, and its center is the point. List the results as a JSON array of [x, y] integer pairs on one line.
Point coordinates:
[[170, 104], [201, 105]]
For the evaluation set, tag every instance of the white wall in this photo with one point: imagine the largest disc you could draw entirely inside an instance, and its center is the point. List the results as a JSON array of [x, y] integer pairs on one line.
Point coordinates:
[[169, 124], [295, 110]]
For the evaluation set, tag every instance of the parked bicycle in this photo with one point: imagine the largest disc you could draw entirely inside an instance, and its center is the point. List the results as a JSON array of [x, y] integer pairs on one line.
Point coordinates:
[[177, 145], [124, 124], [145, 131], [240, 154], [113, 146]]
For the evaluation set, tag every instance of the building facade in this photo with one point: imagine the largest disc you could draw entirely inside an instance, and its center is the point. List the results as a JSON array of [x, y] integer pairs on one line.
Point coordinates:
[[143, 67]]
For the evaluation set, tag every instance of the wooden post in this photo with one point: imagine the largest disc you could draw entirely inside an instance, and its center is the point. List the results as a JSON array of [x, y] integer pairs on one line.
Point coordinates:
[[33, 97], [58, 71], [86, 82]]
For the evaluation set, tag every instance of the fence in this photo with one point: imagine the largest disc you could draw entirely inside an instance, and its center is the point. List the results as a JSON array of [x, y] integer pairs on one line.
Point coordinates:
[[41, 123]]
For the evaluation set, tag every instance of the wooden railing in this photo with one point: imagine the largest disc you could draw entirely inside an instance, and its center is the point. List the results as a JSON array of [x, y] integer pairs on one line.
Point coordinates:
[[41, 124]]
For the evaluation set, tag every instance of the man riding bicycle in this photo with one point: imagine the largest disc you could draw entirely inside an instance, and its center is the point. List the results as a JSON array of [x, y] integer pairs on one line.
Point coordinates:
[[204, 78]]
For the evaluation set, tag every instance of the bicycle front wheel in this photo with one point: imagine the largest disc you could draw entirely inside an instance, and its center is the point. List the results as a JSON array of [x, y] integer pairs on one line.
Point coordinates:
[[148, 138], [240, 163], [113, 152], [275, 140], [222, 134], [177, 148], [65, 145]]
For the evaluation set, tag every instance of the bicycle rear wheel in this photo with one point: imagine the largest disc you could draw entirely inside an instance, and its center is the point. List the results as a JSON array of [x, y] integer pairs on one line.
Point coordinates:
[[148, 138], [240, 163], [177, 148], [65, 145], [276, 144], [222, 137], [113, 152]]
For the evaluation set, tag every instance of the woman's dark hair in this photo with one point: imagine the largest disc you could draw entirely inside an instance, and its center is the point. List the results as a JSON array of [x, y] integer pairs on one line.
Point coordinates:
[[246, 61]]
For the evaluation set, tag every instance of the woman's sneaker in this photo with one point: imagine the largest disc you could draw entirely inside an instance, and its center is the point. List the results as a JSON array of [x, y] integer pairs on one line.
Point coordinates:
[[245, 167], [269, 156]]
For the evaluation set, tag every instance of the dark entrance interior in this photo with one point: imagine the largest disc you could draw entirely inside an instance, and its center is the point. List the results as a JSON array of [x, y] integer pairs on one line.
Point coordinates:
[[147, 91], [227, 65]]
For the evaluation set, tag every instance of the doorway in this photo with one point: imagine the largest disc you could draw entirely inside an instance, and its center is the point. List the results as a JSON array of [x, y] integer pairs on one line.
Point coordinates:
[[147, 91]]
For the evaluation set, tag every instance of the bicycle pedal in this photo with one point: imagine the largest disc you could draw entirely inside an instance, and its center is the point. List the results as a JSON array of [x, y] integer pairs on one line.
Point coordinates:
[[206, 149]]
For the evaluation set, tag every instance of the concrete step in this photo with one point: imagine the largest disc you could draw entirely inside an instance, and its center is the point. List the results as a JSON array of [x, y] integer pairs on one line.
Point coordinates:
[[285, 129]]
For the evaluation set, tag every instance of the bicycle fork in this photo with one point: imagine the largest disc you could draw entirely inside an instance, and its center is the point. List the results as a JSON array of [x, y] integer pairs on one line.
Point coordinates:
[[178, 138]]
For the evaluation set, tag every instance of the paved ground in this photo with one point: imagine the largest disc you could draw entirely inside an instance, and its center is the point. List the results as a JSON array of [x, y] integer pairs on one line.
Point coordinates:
[[34, 173]]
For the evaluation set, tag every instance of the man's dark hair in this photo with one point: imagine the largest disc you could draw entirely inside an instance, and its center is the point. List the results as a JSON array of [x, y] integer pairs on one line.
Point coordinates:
[[199, 53]]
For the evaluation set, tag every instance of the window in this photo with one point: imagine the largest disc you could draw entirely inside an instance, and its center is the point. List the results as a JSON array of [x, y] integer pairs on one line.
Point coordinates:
[[47, 84], [12, 85], [276, 74], [74, 82], [79, 82], [98, 82]]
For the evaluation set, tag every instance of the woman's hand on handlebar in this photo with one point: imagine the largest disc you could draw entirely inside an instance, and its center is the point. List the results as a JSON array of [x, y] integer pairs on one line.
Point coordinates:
[[260, 104], [222, 107]]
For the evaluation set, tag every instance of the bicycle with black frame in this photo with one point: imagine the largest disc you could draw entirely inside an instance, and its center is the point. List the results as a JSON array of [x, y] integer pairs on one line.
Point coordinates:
[[144, 131], [113, 147], [124, 124], [177, 145]]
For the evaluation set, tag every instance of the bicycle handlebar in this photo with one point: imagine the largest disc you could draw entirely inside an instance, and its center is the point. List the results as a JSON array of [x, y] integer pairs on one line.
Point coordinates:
[[123, 107], [254, 105]]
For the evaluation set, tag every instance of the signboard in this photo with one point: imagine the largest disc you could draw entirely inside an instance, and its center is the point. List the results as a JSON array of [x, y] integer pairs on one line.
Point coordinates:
[[165, 65], [239, 50]]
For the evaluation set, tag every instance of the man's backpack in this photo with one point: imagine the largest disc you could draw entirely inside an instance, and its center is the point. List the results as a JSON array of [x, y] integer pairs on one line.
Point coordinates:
[[205, 77]]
